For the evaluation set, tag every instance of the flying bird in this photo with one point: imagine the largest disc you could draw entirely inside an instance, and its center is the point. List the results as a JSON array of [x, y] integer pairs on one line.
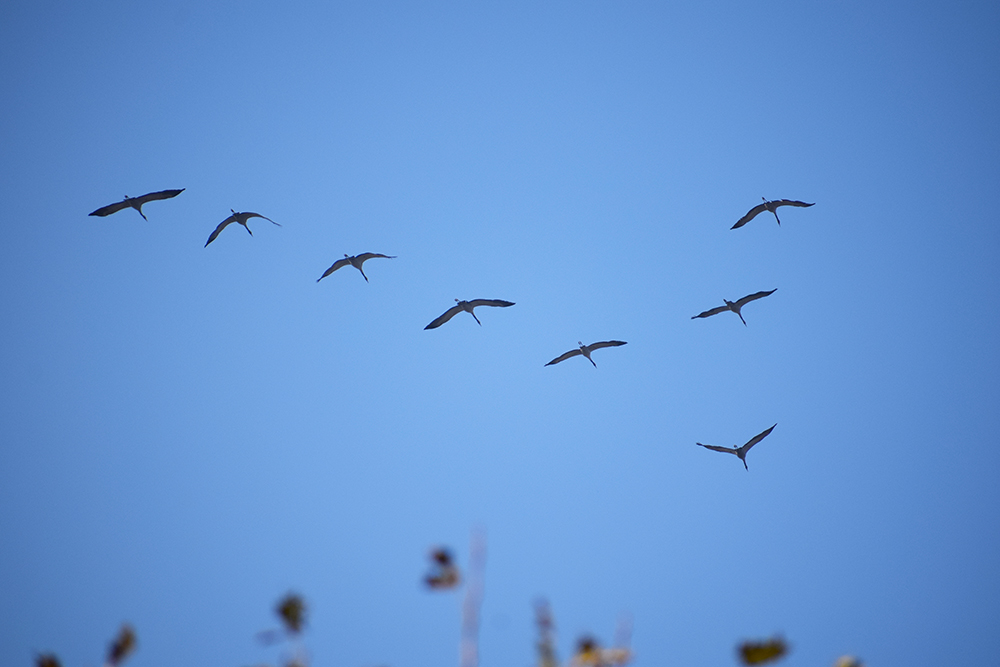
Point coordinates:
[[741, 451], [735, 305], [585, 350], [136, 202], [467, 306], [771, 206], [240, 218], [356, 261]]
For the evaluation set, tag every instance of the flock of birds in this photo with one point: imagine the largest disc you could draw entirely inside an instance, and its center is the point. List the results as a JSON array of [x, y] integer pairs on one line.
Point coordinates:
[[583, 350]]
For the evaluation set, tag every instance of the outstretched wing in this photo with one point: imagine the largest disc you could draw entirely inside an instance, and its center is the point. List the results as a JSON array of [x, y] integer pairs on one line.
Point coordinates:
[[791, 202], [709, 313], [753, 297], [714, 448], [606, 343], [447, 315], [162, 194], [490, 302], [751, 214], [111, 208], [365, 256], [757, 438], [222, 225], [258, 215], [340, 263], [564, 357]]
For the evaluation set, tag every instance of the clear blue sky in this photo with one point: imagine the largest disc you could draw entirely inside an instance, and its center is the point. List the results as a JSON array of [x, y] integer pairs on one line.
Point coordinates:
[[187, 433]]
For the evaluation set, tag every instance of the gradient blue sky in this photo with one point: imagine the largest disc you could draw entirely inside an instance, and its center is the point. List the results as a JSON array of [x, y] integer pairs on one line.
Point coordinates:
[[187, 433]]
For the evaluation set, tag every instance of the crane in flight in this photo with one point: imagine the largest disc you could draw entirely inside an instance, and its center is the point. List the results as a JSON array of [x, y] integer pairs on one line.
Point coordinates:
[[136, 202], [240, 218], [356, 261], [735, 305], [467, 306], [585, 350], [741, 451], [771, 206]]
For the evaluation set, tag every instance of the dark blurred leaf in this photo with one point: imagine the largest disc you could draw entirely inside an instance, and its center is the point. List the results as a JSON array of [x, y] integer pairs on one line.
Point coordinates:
[[757, 653], [442, 556], [292, 610], [47, 660], [122, 646], [444, 573]]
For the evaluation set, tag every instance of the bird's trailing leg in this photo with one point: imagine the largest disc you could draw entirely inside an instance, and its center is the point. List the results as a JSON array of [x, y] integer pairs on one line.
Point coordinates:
[[363, 274], [745, 464], [741, 320], [138, 208], [773, 209], [475, 318]]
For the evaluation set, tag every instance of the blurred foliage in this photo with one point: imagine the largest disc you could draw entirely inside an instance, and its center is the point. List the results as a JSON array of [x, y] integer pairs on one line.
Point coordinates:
[[122, 646], [588, 652], [758, 653], [848, 661], [292, 611], [546, 635], [444, 573]]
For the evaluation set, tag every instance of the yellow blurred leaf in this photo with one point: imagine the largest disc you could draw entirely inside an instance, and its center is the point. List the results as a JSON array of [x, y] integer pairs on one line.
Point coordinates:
[[757, 653], [848, 661], [589, 654]]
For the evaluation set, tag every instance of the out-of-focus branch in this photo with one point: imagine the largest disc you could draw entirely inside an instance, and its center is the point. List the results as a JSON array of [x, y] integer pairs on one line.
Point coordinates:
[[546, 635], [468, 650]]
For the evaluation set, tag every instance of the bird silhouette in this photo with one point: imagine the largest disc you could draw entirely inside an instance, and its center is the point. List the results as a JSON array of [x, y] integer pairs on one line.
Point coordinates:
[[771, 206], [240, 218], [585, 350], [467, 306], [356, 261], [741, 451], [136, 202], [735, 305]]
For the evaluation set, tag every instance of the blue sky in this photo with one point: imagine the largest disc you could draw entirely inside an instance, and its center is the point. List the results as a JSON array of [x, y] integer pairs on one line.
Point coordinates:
[[188, 433]]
